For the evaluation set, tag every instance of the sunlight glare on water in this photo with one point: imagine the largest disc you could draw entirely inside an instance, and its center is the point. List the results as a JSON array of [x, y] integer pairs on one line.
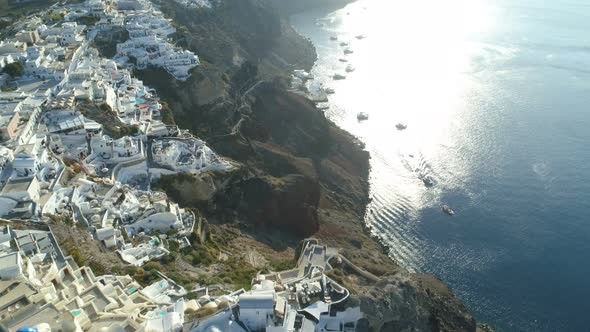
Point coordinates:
[[495, 97], [416, 64]]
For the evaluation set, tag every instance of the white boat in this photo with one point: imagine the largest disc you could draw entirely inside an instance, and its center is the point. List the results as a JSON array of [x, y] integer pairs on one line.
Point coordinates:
[[401, 126], [348, 51], [333, 38], [350, 69], [322, 106], [359, 37], [362, 116], [320, 97], [329, 91], [338, 77], [446, 209], [302, 74], [428, 181]]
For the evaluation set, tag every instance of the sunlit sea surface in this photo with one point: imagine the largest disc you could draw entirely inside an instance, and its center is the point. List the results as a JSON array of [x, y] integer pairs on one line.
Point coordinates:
[[496, 99]]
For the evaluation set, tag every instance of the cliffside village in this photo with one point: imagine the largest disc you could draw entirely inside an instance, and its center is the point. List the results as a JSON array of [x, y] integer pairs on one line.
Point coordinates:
[[55, 84]]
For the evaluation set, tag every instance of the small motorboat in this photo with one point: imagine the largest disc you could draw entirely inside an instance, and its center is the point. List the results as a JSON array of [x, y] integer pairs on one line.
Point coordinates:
[[350, 69], [446, 209], [428, 181], [342, 60], [338, 77], [333, 38], [329, 91], [302, 75], [323, 106], [359, 37], [348, 51], [343, 44], [362, 116], [401, 126]]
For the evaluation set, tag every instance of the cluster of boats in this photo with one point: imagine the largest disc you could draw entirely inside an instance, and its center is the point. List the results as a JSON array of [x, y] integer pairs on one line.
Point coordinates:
[[347, 50], [363, 116]]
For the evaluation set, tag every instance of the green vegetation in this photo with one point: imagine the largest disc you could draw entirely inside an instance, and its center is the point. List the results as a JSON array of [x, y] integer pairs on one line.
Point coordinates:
[[198, 253], [282, 264], [18, 10], [147, 274], [74, 251], [73, 165], [173, 246], [225, 78], [166, 183], [96, 268], [337, 275], [202, 313], [125, 235], [57, 17], [65, 219], [237, 272], [106, 41], [111, 124], [88, 20], [105, 108], [167, 116], [14, 69]]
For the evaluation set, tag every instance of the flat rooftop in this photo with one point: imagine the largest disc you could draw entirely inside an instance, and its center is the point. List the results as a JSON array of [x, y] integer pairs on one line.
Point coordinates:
[[12, 292], [8, 107], [16, 186]]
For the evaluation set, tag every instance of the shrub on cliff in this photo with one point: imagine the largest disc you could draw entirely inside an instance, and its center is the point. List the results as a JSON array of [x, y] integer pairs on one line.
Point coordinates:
[[14, 69]]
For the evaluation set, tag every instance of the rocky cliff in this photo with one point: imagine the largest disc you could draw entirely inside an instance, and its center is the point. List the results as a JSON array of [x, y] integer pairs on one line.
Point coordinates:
[[300, 174], [413, 303], [291, 7]]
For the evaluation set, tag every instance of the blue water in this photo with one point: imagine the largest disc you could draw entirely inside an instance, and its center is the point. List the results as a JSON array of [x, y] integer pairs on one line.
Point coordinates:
[[496, 97]]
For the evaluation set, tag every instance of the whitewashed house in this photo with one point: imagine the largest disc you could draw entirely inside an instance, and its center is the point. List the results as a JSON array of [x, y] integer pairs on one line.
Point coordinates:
[[256, 308], [11, 266]]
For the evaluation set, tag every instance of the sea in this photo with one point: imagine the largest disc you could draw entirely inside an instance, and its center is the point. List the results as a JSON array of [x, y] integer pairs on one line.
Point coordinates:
[[495, 97]]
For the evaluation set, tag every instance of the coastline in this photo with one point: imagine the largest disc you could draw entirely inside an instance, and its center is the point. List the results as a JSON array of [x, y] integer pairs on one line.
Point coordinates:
[[428, 281], [302, 175]]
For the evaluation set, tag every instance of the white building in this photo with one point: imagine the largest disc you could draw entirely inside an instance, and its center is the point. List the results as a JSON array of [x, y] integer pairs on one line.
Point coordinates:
[[148, 48], [27, 36], [12, 47], [161, 222], [124, 148], [22, 189], [108, 236], [28, 159], [256, 308], [11, 266], [6, 59]]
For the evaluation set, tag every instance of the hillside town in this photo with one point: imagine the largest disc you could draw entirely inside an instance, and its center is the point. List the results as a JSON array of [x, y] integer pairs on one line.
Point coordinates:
[[82, 141]]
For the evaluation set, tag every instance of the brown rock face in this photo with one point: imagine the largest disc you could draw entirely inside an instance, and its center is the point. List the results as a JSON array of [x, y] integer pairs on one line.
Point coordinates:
[[288, 203], [300, 173], [412, 303]]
